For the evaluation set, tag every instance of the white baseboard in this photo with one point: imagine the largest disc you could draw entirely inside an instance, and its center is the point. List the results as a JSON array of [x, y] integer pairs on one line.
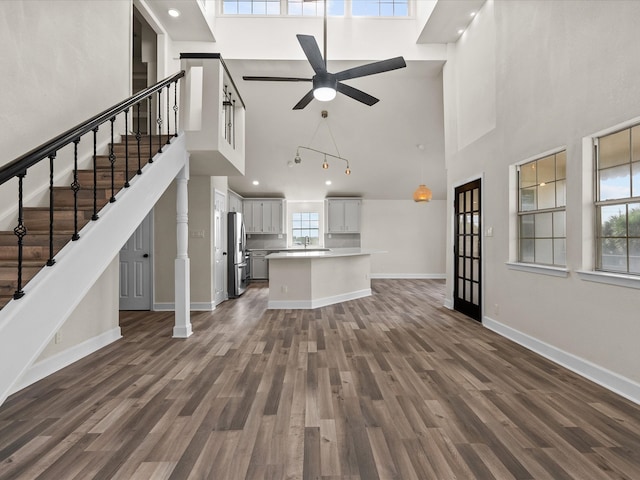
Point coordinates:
[[616, 383], [409, 276], [448, 303], [56, 362], [194, 307], [318, 302]]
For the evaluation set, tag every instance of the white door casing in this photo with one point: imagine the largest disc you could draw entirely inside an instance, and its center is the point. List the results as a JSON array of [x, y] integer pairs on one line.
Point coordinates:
[[219, 248]]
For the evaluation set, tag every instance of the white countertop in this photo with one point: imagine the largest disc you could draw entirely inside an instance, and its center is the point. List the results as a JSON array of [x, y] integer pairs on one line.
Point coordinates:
[[334, 252]]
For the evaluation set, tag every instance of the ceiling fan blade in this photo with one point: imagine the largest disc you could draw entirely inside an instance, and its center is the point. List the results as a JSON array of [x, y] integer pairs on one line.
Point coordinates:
[[312, 51], [356, 94], [304, 101], [275, 79], [372, 68]]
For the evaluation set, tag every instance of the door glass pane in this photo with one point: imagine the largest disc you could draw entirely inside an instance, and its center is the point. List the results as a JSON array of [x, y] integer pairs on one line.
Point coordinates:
[[559, 228], [461, 202], [561, 165], [528, 175], [467, 226], [460, 245], [467, 245], [467, 201], [614, 254], [467, 264], [544, 225], [547, 195], [635, 143], [544, 251], [476, 294], [476, 223], [547, 169], [614, 149], [613, 221], [476, 200], [527, 250], [467, 291], [476, 246], [615, 183], [476, 271], [528, 199], [460, 224], [460, 267], [559, 251], [460, 288]]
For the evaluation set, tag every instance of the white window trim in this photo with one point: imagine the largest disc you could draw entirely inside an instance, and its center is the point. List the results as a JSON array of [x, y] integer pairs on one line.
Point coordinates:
[[588, 271], [514, 236], [539, 269], [616, 279]]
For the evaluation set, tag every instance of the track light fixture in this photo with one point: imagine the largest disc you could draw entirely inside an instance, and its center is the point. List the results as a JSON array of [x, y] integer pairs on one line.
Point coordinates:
[[325, 164]]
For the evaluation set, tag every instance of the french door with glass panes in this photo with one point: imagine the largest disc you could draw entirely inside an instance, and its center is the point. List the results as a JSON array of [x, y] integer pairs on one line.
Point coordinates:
[[467, 286]]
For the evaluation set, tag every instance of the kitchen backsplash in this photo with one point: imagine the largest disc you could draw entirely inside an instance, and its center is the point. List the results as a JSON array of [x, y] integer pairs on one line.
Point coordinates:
[[256, 242], [343, 240]]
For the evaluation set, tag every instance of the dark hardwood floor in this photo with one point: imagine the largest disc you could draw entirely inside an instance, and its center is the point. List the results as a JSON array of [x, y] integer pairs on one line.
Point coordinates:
[[393, 386]]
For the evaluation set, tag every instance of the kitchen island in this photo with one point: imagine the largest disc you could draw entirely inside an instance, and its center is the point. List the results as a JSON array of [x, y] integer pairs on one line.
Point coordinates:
[[307, 280]]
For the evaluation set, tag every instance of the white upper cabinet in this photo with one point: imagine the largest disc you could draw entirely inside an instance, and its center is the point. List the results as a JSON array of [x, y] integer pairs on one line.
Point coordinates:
[[235, 202], [343, 215], [264, 216]]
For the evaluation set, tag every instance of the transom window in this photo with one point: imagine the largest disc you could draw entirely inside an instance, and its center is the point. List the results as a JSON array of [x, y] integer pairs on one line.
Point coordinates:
[[305, 228], [618, 201], [339, 8], [542, 188]]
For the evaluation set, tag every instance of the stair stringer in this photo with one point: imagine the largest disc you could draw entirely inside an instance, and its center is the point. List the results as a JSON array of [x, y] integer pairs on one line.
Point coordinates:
[[27, 325]]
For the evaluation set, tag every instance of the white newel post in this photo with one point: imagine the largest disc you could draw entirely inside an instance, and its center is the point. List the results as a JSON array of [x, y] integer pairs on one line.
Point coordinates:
[[182, 328]]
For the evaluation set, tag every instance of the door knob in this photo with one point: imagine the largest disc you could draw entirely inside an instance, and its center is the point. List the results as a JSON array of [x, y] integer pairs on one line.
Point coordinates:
[[146, 255]]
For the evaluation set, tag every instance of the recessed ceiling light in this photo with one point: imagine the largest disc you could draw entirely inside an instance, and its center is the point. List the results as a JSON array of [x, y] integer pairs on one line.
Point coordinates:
[[256, 182], [461, 31], [173, 13], [472, 14], [328, 182]]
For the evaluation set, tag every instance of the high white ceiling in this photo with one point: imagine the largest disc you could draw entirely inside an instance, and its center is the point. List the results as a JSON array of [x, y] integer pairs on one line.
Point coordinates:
[[391, 146]]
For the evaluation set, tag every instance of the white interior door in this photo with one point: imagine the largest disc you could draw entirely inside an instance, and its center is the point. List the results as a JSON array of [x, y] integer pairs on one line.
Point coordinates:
[[135, 269], [219, 247]]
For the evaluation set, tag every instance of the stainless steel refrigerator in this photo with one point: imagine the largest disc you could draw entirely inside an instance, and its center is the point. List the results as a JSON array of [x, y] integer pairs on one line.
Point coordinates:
[[237, 267]]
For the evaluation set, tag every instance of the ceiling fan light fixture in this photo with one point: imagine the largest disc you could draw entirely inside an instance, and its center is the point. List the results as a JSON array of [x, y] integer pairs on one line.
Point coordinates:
[[325, 87], [324, 94]]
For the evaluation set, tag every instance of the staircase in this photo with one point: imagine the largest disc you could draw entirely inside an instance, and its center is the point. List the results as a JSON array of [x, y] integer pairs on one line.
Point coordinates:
[[36, 219]]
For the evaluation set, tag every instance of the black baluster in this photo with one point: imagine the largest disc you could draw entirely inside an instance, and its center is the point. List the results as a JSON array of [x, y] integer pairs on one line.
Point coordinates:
[[75, 186], [168, 118], [95, 175], [138, 138], [20, 231], [175, 109], [51, 261], [126, 148], [112, 160], [233, 122], [159, 121], [150, 130]]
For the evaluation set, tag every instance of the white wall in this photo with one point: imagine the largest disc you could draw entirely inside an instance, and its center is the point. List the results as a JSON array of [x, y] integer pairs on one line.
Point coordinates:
[[561, 71], [411, 234], [62, 62]]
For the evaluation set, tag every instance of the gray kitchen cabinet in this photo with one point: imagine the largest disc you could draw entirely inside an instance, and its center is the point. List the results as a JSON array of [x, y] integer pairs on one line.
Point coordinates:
[[343, 215]]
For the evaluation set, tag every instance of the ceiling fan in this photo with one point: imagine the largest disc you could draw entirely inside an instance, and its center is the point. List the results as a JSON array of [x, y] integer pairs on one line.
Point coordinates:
[[326, 84]]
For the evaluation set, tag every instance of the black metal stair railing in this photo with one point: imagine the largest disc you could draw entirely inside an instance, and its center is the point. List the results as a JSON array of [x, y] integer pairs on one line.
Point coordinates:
[[19, 167]]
